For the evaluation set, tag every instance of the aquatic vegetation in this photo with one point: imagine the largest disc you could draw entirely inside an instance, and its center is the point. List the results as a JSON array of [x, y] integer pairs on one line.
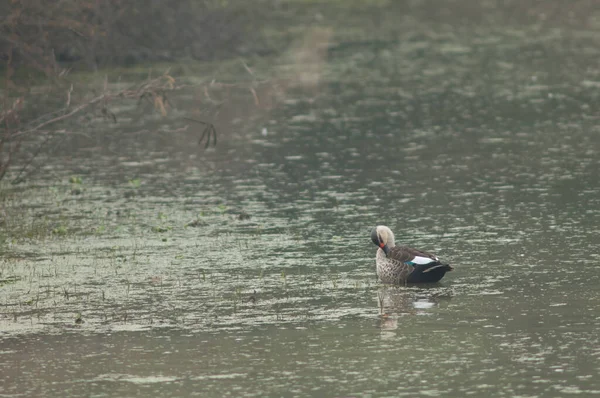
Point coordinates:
[[18, 127], [9, 279], [161, 229], [135, 183], [196, 223], [243, 216], [222, 208], [60, 230]]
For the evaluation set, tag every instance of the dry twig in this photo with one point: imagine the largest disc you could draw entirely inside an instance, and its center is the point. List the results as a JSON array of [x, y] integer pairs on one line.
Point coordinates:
[[14, 134], [208, 130]]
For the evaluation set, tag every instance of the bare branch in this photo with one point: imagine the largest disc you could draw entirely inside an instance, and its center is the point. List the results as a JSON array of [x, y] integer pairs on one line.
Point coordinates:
[[144, 88], [208, 130], [59, 118]]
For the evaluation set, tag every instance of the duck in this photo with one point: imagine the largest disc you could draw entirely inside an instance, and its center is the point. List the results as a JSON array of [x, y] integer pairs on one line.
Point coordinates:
[[400, 265]]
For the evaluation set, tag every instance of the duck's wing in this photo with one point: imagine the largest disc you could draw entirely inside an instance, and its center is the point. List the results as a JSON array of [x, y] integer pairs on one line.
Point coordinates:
[[410, 256]]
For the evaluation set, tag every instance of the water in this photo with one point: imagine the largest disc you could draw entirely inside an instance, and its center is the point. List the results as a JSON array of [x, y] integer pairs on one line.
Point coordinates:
[[247, 270]]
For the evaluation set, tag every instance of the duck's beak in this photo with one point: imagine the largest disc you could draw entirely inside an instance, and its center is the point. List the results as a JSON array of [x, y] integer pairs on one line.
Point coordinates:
[[385, 248], [377, 240]]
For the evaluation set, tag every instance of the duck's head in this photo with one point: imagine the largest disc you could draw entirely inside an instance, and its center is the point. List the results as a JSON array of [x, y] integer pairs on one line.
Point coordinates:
[[383, 237]]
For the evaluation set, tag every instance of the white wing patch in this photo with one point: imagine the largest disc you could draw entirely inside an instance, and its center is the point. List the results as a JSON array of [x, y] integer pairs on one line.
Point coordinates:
[[422, 260]]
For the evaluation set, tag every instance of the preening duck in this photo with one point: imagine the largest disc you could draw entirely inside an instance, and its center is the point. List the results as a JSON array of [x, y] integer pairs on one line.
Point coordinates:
[[402, 264]]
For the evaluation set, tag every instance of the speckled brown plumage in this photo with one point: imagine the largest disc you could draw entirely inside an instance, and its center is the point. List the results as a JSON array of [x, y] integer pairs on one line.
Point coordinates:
[[403, 264]]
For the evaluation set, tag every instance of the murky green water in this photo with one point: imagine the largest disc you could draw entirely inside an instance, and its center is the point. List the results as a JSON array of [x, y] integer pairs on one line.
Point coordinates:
[[247, 270]]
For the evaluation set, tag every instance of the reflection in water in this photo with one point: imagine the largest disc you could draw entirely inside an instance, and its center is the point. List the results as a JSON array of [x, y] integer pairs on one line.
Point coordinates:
[[395, 302]]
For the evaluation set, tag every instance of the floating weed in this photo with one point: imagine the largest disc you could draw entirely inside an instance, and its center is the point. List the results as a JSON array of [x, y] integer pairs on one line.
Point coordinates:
[[196, 223], [9, 280], [61, 230], [161, 229], [243, 216], [135, 183], [75, 180], [222, 209]]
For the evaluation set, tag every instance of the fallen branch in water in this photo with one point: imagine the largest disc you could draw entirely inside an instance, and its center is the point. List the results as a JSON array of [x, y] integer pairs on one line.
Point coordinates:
[[153, 89], [209, 129], [59, 118]]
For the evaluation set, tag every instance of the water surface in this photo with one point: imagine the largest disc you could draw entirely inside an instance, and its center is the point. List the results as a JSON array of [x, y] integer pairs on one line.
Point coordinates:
[[247, 269]]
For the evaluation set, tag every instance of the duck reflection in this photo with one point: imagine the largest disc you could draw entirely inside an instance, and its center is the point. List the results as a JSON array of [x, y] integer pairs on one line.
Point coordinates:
[[397, 301]]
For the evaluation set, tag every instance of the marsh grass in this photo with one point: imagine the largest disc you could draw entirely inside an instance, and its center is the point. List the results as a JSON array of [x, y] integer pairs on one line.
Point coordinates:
[[23, 225], [108, 264]]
